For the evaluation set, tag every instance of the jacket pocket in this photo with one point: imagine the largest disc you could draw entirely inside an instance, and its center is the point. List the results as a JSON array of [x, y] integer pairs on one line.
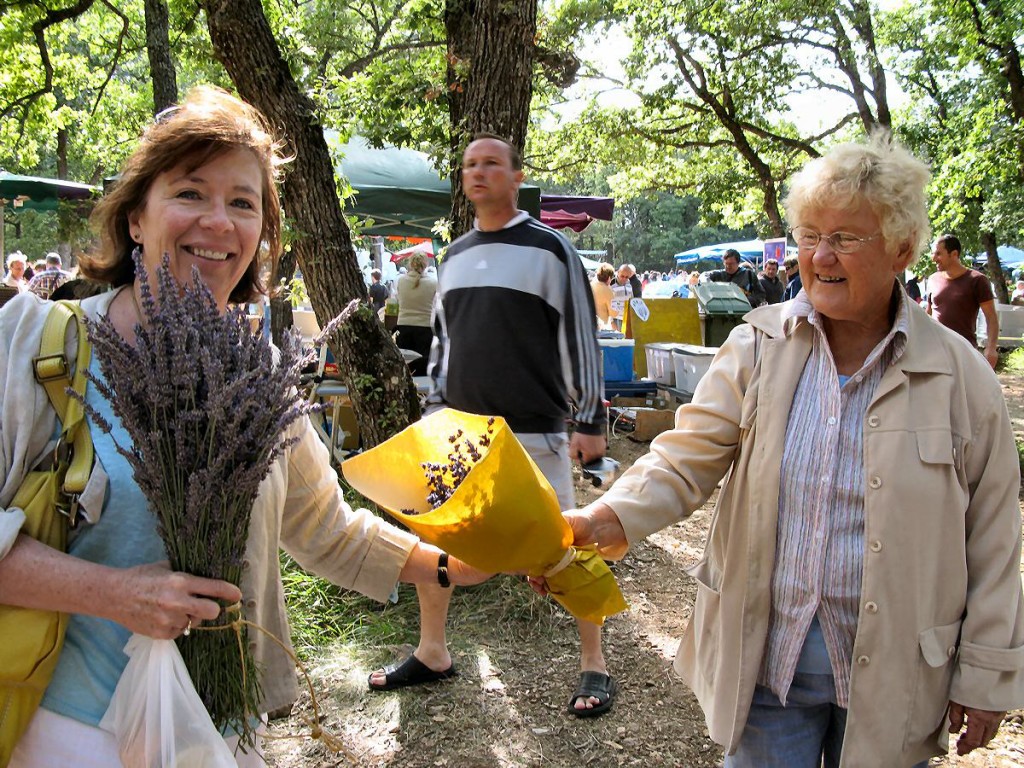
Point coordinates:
[[706, 620], [934, 675], [936, 447]]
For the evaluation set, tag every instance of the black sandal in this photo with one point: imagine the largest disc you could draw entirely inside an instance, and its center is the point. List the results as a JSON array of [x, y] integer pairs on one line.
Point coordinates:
[[598, 685], [412, 671]]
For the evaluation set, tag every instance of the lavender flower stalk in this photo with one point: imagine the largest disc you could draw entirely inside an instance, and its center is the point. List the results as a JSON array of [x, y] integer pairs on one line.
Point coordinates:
[[207, 404]]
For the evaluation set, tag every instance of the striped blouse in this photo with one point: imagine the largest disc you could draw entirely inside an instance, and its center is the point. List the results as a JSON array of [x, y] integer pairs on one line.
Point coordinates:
[[820, 539]]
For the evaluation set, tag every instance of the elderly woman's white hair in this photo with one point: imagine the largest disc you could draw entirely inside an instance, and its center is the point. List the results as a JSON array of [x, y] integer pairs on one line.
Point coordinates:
[[16, 256], [879, 172]]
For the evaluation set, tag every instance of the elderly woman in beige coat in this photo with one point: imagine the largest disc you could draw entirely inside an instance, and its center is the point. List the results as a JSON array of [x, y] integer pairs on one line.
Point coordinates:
[[859, 594]]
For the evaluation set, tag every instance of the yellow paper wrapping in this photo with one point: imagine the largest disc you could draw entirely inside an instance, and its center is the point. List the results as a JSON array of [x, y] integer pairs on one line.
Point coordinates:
[[503, 517]]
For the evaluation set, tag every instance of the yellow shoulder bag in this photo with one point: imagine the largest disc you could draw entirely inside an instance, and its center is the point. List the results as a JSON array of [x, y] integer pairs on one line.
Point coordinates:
[[31, 640]]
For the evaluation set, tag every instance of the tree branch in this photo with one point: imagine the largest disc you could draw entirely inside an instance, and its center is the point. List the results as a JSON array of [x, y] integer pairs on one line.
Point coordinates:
[[117, 54]]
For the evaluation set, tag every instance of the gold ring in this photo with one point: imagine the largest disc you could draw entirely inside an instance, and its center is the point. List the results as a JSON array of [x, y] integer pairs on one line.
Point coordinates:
[[188, 627]]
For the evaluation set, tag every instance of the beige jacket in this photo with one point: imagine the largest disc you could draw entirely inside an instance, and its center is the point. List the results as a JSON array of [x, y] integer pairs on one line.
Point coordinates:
[[299, 507], [942, 535]]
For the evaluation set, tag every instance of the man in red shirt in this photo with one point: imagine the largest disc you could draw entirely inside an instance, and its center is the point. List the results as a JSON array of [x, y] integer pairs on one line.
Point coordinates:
[[956, 293]]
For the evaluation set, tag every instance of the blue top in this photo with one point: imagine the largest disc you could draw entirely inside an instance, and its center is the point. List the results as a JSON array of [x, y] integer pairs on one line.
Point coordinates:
[[93, 656]]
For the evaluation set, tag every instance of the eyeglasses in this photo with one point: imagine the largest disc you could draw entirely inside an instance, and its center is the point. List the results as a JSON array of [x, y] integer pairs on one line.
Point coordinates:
[[841, 242]]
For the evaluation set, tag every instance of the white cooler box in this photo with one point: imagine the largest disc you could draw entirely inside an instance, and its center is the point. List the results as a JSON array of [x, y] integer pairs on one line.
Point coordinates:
[[690, 363], [659, 362]]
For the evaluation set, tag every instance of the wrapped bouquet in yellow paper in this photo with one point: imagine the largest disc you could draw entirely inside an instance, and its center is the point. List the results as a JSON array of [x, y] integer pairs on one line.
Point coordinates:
[[464, 483]]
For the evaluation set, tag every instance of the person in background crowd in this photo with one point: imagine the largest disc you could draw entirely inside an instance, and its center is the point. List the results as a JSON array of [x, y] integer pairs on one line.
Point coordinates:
[[914, 289], [1017, 297], [956, 294], [601, 287], [634, 281], [47, 281], [622, 292], [744, 277], [416, 291], [793, 281], [772, 285], [377, 291], [514, 321], [859, 593], [15, 277]]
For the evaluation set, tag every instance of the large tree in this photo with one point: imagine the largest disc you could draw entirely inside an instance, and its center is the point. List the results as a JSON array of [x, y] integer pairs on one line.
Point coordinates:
[[491, 50], [959, 64], [383, 396]]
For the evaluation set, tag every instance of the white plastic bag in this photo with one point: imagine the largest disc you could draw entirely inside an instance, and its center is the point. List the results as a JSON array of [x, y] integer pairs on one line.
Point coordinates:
[[156, 714]]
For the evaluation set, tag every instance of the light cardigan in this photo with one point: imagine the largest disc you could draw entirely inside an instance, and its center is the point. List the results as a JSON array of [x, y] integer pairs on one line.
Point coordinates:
[[299, 507]]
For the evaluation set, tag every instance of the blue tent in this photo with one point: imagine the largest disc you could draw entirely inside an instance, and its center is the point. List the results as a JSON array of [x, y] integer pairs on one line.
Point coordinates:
[[750, 250], [1009, 257]]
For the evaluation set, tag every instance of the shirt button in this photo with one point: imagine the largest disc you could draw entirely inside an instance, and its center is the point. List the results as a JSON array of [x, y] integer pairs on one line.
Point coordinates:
[[875, 482], [858, 378], [875, 546], [246, 565], [874, 421], [831, 421], [951, 651], [863, 661], [871, 607], [250, 603], [252, 646]]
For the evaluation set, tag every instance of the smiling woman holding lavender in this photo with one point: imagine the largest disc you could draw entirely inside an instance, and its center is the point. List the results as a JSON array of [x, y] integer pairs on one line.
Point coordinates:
[[199, 192]]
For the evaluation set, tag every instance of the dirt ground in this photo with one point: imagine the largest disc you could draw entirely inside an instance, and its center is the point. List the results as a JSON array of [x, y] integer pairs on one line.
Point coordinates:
[[506, 709]]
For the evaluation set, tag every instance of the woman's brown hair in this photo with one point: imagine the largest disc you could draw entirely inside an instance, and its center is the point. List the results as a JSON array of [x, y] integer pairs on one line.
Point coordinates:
[[207, 124]]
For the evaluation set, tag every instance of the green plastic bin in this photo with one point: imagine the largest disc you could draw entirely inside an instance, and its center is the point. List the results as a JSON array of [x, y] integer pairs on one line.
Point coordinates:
[[722, 307]]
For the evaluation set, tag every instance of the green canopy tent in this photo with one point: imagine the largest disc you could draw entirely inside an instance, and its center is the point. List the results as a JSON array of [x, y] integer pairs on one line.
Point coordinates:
[[36, 193], [400, 190]]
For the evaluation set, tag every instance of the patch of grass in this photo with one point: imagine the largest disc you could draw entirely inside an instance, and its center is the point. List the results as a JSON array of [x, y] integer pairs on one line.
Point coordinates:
[[1011, 362], [322, 614]]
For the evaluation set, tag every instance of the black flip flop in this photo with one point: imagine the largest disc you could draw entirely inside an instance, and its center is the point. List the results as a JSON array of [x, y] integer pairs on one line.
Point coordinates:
[[412, 671], [598, 685]]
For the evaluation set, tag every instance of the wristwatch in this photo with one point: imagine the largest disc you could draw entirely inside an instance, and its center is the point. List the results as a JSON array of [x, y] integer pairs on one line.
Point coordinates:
[[442, 570]]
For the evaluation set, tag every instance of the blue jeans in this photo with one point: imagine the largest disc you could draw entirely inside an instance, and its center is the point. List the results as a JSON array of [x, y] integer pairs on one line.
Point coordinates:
[[806, 733]]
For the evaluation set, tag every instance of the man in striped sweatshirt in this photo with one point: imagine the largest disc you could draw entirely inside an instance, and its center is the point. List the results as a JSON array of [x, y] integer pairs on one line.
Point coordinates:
[[515, 336]]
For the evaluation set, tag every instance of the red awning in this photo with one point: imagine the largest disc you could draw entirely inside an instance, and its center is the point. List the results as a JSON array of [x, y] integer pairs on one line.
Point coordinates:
[[577, 222], [426, 247]]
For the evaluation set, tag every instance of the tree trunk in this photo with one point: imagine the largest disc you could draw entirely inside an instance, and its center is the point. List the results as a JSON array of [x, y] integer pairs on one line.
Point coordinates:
[[383, 396], [491, 46], [995, 269], [161, 65], [280, 303]]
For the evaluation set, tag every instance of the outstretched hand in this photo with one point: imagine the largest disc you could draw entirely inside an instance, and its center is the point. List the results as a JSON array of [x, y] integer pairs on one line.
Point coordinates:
[[153, 600], [462, 574], [982, 725], [598, 524]]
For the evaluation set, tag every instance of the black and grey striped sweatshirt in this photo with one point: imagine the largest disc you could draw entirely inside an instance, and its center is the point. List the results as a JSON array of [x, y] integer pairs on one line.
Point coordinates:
[[514, 330]]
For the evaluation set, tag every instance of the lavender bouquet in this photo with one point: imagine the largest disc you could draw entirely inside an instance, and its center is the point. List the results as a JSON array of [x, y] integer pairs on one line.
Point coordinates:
[[207, 403]]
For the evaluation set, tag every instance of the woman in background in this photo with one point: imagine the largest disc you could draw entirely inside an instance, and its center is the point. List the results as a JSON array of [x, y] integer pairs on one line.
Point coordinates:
[[416, 289]]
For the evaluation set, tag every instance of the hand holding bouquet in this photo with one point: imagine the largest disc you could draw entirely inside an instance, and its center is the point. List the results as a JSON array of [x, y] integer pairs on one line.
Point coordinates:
[[486, 503]]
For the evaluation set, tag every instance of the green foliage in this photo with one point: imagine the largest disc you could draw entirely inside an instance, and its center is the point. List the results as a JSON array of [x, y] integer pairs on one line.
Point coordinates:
[[1012, 362], [953, 63], [321, 613]]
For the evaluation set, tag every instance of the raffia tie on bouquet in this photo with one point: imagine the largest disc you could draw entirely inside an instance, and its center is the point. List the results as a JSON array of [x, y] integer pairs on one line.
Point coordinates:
[[317, 732], [504, 516]]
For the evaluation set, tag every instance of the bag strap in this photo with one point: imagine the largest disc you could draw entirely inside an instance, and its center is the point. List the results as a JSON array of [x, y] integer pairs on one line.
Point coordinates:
[[74, 448]]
